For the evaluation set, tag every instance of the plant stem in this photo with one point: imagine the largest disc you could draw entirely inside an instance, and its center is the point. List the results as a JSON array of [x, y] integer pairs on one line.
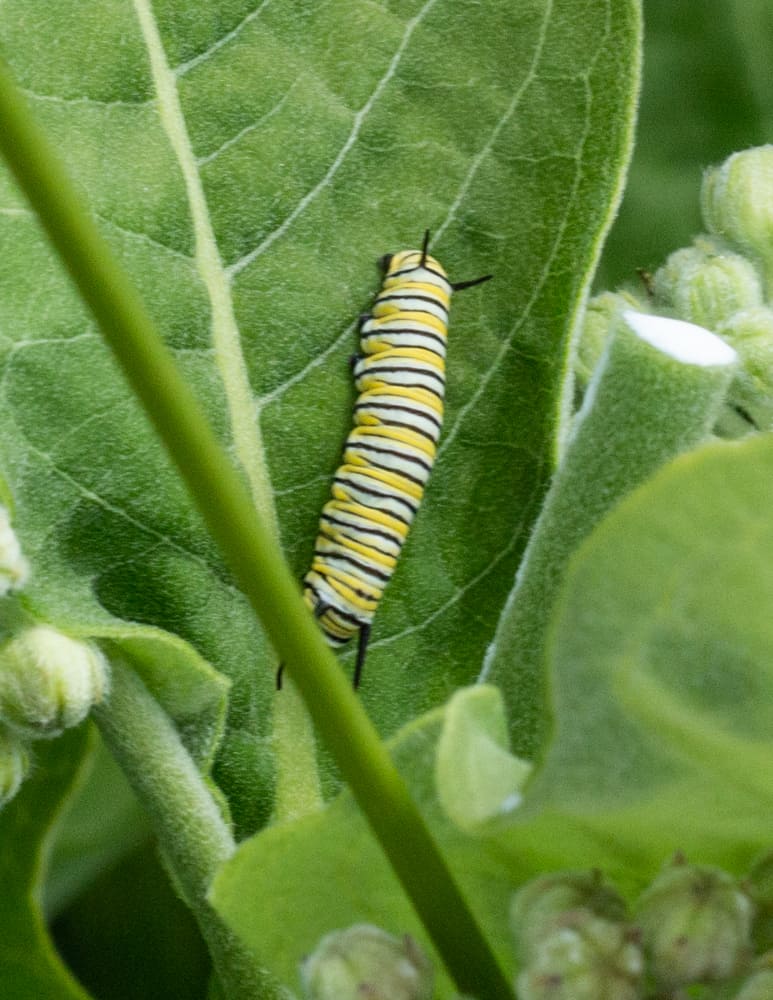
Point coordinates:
[[251, 551], [194, 837], [644, 405]]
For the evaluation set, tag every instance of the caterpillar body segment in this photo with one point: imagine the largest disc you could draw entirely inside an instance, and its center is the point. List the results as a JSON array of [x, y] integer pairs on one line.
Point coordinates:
[[388, 455]]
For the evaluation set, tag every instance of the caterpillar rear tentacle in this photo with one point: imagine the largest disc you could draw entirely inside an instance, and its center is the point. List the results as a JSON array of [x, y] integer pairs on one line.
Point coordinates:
[[318, 612]]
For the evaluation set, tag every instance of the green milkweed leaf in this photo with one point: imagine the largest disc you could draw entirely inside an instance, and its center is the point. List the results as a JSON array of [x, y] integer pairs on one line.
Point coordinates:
[[30, 969], [661, 684], [662, 695], [249, 207]]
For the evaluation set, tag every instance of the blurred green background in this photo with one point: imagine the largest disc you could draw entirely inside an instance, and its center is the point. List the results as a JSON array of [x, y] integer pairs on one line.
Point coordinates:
[[707, 92]]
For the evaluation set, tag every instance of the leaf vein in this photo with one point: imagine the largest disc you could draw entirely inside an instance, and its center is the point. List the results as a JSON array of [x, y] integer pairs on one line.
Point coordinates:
[[95, 101], [315, 362], [204, 160], [539, 283], [351, 139], [242, 413], [457, 596], [94, 498], [182, 68], [144, 238]]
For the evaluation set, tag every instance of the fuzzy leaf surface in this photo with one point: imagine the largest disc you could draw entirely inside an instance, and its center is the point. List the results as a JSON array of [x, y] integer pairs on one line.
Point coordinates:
[[662, 696], [661, 687], [248, 164]]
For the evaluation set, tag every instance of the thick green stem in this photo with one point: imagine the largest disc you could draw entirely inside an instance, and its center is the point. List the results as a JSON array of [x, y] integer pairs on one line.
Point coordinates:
[[653, 396], [194, 838], [252, 552]]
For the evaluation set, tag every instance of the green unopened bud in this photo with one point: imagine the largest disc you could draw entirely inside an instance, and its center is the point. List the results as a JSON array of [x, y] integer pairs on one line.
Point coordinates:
[[696, 923], [539, 906], [750, 393], [597, 324], [737, 203], [584, 957], [48, 681], [13, 565], [364, 961], [705, 286], [14, 764]]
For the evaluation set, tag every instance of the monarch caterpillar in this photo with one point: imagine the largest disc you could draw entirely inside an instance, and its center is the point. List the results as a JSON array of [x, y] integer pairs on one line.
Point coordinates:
[[388, 456]]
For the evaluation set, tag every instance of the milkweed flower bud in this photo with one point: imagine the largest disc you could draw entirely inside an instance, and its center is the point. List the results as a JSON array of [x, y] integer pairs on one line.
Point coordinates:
[[706, 286], [597, 325], [14, 764], [13, 565], [750, 333], [737, 203], [364, 961], [48, 681], [584, 957], [696, 924], [539, 906]]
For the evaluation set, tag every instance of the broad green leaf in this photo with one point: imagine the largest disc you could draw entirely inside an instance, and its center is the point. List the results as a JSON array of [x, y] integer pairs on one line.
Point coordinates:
[[263, 891], [249, 164], [30, 968], [662, 690], [705, 94], [662, 695], [475, 772]]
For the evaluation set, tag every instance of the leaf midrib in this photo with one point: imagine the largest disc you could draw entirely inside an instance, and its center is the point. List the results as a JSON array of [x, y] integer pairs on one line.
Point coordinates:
[[245, 429]]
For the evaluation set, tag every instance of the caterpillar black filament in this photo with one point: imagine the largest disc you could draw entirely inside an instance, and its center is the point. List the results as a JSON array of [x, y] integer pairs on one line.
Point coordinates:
[[388, 456]]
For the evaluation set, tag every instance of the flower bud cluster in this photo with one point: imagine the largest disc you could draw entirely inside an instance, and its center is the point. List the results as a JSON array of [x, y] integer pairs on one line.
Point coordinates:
[[696, 923], [693, 927], [48, 681], [364, 961], [574, 941], [723, 282]]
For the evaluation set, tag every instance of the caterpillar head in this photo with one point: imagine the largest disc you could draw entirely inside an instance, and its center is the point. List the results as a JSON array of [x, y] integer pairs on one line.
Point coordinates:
[[398, 267]]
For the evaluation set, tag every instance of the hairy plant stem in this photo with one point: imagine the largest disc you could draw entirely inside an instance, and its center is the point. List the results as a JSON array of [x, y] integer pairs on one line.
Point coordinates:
[[251, 551], [643, 406], [194, 838]]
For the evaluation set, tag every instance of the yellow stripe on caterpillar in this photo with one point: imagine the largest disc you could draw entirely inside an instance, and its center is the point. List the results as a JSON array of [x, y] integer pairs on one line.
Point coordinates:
[[407, 288], [348, 586], [388, 310], [393, 479], [399, 434], [409, 353], [414, 393], [345, 541], [370, 514]]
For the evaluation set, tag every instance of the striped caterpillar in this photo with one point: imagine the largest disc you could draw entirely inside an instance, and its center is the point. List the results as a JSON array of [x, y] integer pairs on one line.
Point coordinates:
[[388, 456]]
